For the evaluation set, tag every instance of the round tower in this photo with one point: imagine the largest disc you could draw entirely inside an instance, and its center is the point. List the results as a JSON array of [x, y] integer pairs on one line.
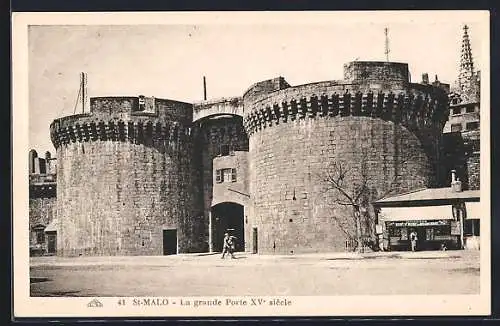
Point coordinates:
[[127, 182], [320, 153]]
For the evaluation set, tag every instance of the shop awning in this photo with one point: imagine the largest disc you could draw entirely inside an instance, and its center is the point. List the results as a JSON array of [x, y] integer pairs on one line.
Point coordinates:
[[474, 211], [52, 226], [390, 214]]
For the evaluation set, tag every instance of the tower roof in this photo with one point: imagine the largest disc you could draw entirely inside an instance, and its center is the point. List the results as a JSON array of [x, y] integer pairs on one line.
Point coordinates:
[[467, 78]]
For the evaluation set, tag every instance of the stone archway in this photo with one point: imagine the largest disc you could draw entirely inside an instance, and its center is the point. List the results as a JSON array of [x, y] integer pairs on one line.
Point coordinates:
[[228, 217]]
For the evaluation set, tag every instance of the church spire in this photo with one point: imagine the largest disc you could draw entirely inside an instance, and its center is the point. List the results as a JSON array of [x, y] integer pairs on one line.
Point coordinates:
[[466, 78]]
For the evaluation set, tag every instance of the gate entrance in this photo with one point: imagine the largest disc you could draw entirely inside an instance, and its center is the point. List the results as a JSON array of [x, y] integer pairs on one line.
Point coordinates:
[[228, 217], [170, 242]]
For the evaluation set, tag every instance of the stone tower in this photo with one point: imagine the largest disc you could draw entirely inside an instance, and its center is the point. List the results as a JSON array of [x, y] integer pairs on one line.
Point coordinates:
[[467, 77], [127, 179], [462, 130], [376, 127]]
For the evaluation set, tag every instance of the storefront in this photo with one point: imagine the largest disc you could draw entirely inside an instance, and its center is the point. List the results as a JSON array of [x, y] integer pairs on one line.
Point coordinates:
[[433, 225], [440, 217]]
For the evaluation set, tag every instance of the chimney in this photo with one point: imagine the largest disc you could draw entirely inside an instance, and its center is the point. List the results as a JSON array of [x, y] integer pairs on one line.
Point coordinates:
[[456, 184], [425, 79]]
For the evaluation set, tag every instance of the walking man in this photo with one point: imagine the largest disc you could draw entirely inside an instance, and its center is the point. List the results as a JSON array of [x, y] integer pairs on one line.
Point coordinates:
[[227, 245], [413, 240]]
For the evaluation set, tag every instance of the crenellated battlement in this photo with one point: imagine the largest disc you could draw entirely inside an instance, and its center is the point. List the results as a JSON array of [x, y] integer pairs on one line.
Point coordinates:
[[134, 131], [138, 120], [415, 110]]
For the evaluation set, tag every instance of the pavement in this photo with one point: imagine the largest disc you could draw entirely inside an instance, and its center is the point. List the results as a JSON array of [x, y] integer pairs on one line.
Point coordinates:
[[438, 272], [200, 257]]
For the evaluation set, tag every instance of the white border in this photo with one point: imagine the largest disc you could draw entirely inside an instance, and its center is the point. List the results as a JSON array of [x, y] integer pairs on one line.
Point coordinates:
[[25, 306]]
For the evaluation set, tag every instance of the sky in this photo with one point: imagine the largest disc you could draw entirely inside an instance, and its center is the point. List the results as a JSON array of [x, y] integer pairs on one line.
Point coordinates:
[[170, 60]]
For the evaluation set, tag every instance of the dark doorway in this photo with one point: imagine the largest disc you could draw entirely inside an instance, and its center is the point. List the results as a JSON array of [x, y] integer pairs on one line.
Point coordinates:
[[170, 242], [255, 242], [51, 242], [228, 217]]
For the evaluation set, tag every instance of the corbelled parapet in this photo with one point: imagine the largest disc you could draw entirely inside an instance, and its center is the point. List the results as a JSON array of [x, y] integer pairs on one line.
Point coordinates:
[[137, 120], [415, 106]]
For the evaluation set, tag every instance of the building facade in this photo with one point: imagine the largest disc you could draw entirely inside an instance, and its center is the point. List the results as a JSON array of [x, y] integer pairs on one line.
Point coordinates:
[[42, 203], [441, 218], [462, 132]]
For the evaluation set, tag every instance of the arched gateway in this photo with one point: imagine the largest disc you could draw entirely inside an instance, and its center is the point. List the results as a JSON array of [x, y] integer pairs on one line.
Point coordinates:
[[228, 217]]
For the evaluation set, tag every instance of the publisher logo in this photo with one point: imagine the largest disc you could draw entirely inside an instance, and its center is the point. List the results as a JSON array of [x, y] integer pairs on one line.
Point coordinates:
[[94, 304]]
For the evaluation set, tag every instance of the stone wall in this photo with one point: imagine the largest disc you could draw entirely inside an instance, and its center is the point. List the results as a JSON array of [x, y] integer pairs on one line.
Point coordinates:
[[391, 73], [293, 209], [237, 191], [473, 169], [42, 210], [218, 107]]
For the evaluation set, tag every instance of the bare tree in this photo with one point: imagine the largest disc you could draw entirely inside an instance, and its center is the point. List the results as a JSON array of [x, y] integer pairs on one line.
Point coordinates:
[[349, 186], [349, 193]]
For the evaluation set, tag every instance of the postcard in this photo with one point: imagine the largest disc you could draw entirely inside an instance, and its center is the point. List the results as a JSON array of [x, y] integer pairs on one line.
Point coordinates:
[[209, 164]]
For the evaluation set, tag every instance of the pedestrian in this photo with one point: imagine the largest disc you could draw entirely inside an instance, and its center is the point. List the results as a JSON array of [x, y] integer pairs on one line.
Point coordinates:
[[227, 246], [381, 242], [232, 245], [413, 240]]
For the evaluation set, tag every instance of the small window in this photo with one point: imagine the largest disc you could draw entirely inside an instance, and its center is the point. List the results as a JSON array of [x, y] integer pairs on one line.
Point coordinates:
[[225, 150], [142, 103], [225, 175], [472, 125], [40, 236], [456, 127], [471, 227], [470, 109], [457, 110], [39, 233], [429, 234]]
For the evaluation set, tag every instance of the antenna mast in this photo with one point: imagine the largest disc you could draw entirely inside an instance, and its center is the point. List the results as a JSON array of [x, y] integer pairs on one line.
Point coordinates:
[[204, 88], [386, 32], [83, 88]]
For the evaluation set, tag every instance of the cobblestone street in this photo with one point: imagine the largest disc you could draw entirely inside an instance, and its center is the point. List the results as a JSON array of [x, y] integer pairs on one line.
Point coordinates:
[[451, 272]]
